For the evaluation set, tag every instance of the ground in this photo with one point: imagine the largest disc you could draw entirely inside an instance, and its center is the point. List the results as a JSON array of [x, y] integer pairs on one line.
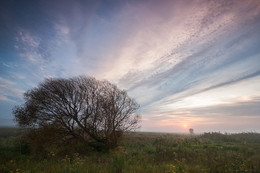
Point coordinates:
[[138, 152]]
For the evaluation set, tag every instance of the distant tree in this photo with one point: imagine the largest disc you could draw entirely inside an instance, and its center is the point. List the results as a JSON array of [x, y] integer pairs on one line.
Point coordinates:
[[191, 131], [80, 107]]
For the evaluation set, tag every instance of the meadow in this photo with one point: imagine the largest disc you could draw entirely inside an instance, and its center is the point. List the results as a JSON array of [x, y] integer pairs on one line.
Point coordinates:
[[138, 152]]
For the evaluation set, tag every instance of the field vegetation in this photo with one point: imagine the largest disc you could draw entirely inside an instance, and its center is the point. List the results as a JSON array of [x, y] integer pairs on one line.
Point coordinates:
[[137, 152]]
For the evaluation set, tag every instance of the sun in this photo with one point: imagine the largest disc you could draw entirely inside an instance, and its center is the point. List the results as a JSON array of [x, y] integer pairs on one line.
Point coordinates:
[[185, 125]]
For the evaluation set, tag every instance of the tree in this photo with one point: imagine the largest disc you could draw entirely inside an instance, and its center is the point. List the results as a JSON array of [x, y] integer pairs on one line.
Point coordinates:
[[80, 107]]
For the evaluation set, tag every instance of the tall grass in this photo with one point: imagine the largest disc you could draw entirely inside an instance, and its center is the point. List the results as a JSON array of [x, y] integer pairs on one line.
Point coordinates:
[[141, 152]]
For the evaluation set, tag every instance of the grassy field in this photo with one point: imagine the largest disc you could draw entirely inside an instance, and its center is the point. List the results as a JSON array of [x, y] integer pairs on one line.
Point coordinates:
[[138, 152]]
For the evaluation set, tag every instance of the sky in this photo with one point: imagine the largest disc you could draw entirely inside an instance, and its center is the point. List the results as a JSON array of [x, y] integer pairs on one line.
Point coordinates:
[[188, 63]]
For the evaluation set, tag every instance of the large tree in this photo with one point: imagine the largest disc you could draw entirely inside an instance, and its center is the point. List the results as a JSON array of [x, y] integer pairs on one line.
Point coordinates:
[[81, 107]]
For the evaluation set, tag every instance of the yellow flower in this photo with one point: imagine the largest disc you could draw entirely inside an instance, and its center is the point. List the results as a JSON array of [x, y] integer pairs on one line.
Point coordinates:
[[52, 154]]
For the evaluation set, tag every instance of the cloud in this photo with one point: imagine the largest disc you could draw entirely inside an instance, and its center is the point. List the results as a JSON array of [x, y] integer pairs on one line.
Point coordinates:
[[40, 52], [153, 48], [5, 82], [248, 108], [32, 47], [28, 39], [244, 90], [7, 65], [162, 39], [4, 98], [198, 57], [62, 29], [9, 92]]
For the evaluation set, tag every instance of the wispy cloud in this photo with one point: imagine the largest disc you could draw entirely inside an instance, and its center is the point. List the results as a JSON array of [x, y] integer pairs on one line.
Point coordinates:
[[201, 55], [5, 82], [28, 46], [9, 92]]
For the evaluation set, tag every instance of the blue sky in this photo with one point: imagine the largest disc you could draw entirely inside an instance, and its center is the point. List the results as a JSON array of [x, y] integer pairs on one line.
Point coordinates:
[[187, 63]]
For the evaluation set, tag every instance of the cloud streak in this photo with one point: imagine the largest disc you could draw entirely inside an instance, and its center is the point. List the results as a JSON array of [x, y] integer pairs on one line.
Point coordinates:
[[9, 92]]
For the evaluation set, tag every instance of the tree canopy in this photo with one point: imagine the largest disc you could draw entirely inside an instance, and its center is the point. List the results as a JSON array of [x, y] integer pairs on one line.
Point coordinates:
[[80, 107]]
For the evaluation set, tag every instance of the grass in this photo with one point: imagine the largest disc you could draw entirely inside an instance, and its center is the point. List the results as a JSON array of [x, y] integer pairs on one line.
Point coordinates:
[[140, 152]]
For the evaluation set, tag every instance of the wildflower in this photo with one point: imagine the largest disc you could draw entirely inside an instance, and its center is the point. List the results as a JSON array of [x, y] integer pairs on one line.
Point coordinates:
[[51, 154], [172, 168]]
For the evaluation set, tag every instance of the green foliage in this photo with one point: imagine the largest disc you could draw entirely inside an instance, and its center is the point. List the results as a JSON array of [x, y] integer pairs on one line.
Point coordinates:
[[138, 152]]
